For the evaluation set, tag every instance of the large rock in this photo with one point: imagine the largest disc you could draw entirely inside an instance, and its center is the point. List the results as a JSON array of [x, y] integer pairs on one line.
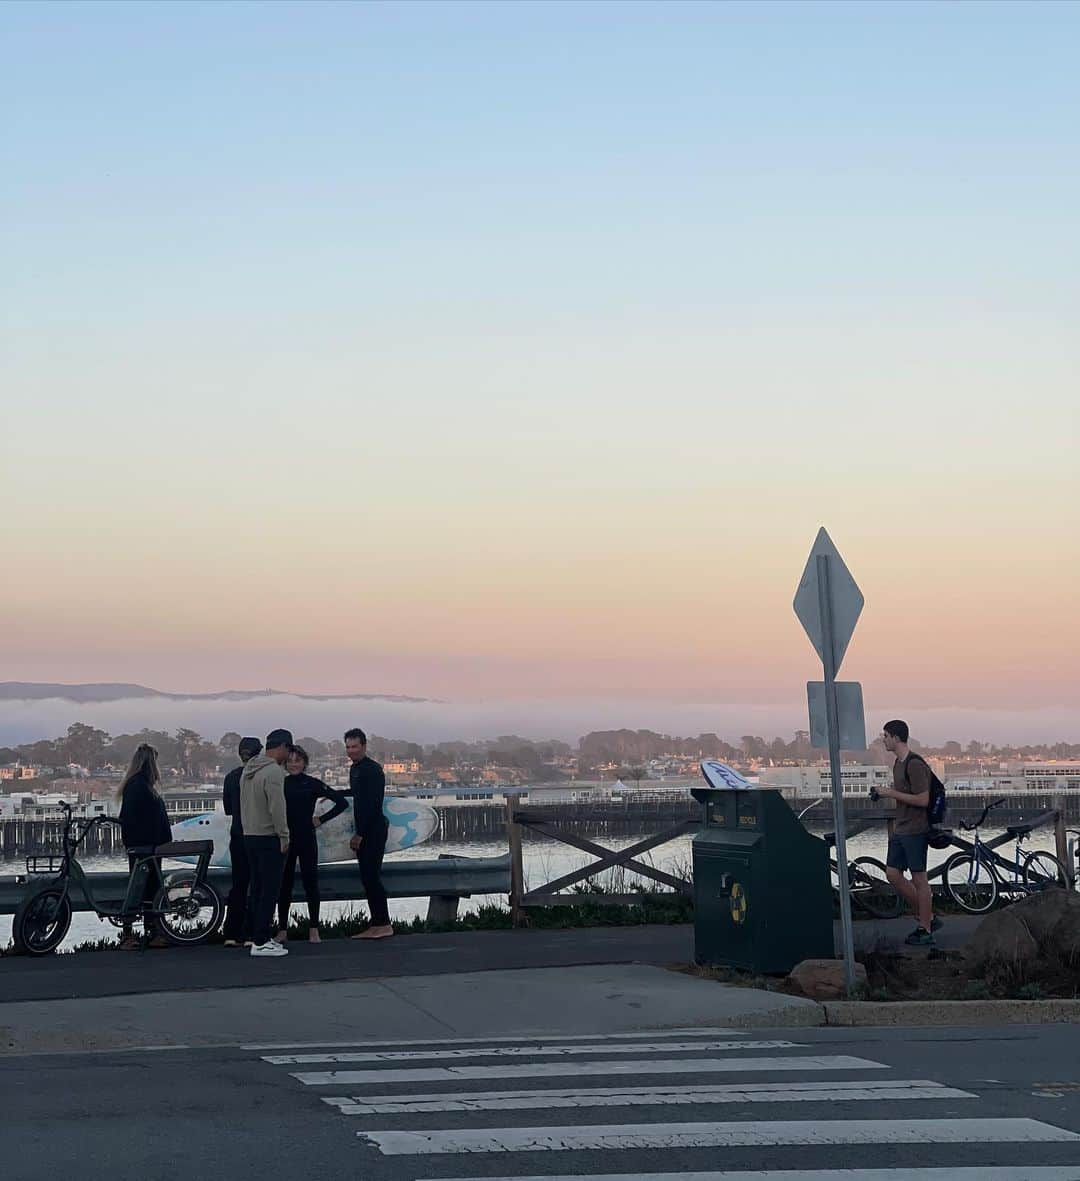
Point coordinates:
[[1003, 937], [1049, 916], [823, 980]]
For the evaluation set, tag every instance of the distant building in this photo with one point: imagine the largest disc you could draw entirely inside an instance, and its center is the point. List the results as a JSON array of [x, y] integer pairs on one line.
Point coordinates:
[[816, 781], [13, 772]]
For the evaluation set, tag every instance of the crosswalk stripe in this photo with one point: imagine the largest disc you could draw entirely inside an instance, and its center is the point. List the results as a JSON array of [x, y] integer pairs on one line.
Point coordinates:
[[786, 1092], [646, 1034], [980, 1173], [737, 1134], [440, 1074], [540, 1051]]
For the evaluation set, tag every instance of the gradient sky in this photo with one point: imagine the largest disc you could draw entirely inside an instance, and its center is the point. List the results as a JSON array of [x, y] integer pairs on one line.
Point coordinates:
[[495, 350]]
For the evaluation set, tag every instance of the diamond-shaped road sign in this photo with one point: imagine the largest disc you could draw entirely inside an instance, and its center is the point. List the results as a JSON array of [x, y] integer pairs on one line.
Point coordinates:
[[847, 600]]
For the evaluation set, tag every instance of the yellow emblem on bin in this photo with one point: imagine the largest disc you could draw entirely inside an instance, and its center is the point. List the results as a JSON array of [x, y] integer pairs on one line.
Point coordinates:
[[739, 903]]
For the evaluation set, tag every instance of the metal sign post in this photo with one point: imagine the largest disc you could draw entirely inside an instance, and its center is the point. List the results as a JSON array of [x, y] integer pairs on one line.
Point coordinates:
[[828, 603]]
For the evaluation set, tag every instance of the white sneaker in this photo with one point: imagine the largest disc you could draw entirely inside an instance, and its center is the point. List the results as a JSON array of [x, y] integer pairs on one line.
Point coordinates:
[[270, 949]]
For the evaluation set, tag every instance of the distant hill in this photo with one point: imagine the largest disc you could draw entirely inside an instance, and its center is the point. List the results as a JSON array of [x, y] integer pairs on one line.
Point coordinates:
[[117, 691]]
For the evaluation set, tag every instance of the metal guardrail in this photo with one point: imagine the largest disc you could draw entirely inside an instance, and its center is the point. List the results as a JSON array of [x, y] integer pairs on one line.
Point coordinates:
[[445, 881]]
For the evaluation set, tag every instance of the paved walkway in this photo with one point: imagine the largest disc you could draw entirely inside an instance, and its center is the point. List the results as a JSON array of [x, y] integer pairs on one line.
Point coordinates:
[[114, 973]]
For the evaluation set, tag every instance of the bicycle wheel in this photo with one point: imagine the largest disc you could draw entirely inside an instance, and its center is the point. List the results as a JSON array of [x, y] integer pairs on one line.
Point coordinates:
[[1043, 871], [41, 921], [971, 883], [870, 889], [189, 912]]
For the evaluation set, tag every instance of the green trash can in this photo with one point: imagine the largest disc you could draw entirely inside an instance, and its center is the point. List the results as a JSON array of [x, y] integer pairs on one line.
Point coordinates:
[[762, 893]]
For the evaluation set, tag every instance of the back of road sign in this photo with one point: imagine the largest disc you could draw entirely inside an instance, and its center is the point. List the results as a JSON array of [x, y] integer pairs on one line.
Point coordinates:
[[847, 600]]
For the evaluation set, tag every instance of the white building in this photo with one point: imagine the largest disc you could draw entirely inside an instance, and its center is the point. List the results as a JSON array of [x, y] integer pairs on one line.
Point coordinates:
[[816, 781]]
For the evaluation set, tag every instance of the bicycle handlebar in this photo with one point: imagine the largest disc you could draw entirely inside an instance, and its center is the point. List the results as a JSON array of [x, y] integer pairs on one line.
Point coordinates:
[[982, 819]]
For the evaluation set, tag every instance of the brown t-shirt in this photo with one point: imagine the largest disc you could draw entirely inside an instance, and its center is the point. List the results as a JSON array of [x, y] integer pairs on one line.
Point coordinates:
[[910, 821]]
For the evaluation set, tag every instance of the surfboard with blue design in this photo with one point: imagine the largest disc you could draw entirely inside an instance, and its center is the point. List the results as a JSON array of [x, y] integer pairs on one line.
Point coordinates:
[[411, 822], [724, 778]]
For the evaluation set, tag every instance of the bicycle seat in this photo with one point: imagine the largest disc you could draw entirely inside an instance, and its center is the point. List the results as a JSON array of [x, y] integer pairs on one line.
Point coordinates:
[[829, 838], [1018, 830], [183, 849]]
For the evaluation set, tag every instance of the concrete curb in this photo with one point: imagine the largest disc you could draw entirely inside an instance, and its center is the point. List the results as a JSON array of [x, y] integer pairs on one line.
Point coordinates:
[[913, 1014]]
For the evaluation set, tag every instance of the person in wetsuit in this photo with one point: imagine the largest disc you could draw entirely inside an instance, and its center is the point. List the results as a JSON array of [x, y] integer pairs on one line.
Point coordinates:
[[302, 793], [238, 917], [367, 786], [144, 823]]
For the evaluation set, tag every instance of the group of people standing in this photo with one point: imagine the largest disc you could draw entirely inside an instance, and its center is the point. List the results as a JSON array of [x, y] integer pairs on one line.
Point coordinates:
[[272, 801]]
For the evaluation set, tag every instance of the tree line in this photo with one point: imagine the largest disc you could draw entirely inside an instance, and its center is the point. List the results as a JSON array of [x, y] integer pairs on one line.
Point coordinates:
[[187, 754]]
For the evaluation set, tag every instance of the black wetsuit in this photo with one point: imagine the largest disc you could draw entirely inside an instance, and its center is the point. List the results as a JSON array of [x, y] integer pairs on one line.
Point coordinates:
[[367, 786], [237, 917], [302, 793]]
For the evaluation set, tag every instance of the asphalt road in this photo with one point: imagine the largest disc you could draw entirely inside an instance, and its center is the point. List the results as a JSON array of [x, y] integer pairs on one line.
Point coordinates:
[[967, 1105]]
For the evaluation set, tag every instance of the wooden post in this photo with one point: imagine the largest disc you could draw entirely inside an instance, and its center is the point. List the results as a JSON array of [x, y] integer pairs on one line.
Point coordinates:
[[1061, 843], [517, 871]]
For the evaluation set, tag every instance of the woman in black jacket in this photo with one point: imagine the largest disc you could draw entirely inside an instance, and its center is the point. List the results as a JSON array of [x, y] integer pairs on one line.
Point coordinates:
[[143, 823], [302, 793]]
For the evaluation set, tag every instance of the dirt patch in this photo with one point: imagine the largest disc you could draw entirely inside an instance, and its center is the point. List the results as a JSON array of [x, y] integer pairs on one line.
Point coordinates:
[[931, 975]]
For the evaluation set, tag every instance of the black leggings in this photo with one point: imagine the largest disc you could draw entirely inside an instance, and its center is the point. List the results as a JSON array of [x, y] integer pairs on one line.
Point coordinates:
[[303, 848], [370, 857], [153, 882]]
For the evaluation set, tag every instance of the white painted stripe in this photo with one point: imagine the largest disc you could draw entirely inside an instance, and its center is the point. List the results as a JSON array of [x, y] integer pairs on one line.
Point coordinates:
[[450, 1074], [787, 1092], [979, 1173], [537, 1051], [681, 1031], [739, 1134]]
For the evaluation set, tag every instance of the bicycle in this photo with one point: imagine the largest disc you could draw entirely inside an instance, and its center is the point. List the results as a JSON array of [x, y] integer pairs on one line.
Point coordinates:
[[868, 883], [186, 907], [974, 880]]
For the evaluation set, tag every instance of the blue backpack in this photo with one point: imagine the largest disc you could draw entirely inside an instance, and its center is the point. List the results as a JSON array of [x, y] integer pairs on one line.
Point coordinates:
[[938, 805]]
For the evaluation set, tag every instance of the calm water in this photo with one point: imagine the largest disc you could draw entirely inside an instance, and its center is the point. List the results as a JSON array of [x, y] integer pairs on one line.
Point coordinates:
[[543, 861]]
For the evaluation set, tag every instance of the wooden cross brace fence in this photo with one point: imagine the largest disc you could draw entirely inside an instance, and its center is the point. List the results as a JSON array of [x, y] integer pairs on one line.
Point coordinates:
[[548, 823]]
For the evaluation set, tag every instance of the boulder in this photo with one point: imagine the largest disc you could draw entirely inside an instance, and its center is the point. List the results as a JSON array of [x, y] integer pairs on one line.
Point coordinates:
[[1049, 916], [823, 980], [1064, 939], [1001, 936]]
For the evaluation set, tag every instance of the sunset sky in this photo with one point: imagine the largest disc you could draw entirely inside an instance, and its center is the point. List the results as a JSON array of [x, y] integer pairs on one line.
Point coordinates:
[[492, 351]]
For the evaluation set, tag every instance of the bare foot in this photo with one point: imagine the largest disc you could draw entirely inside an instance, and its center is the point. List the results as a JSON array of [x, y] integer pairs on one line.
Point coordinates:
[[313, 935], [281, 937], [375, 933]]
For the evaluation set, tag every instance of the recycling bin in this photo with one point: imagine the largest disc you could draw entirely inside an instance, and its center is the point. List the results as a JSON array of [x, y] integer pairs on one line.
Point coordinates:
[[762, 892]]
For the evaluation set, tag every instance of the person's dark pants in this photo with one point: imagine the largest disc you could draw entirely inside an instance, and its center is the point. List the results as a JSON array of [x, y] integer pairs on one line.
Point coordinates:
[[237, 918], [303, 848], [370, 857], [266, 860], [154, 882]]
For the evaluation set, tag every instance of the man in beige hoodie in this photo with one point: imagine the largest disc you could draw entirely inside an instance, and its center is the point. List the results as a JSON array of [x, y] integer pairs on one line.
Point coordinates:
[[266, 836]]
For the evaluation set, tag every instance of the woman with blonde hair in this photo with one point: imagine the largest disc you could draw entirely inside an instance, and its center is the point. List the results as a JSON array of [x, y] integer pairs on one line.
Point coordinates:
[[144, 823]]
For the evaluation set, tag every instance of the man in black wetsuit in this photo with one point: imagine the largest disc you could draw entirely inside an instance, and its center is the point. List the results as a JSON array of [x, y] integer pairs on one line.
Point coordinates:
[[237, 919], [367, 786]]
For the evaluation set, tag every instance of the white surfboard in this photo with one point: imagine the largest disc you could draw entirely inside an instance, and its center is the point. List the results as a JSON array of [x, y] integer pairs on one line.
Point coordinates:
[[724, 778], [411, 823]]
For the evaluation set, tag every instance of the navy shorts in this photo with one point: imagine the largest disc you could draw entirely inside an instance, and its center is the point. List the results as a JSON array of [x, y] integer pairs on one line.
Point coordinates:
[[908, 852]]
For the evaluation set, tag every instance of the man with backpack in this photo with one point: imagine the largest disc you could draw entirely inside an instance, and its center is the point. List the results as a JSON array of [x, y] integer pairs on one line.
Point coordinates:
[[915, 789]]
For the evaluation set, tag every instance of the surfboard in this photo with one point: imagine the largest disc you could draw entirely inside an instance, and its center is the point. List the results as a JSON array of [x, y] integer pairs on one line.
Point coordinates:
[[724, 778], [411, 823]]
